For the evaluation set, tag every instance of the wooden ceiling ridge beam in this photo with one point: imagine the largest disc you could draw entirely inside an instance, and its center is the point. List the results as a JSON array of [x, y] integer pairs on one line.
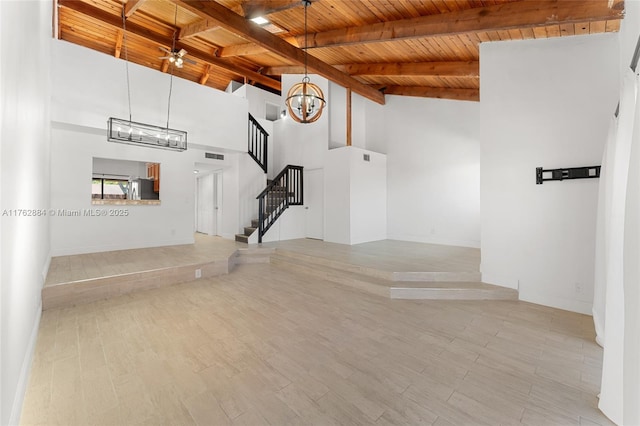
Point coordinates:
[[517, 15], [461, 69], [435, 69], [136, 29], [506, 16], [434, 92], [237, 24]]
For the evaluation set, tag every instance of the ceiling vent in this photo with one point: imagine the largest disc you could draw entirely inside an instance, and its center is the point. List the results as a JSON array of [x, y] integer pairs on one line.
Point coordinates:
[[366, 157], [213, 156]]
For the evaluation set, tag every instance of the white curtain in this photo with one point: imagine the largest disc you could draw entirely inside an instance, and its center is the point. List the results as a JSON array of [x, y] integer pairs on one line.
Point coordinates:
[[631, 352], [612, 395]]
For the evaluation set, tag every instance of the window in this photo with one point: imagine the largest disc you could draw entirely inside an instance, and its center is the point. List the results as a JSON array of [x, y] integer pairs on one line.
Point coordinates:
[[109, 189]]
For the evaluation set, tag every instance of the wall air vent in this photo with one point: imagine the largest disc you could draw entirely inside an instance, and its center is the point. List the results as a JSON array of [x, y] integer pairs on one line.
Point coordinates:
[[213, 156], [366, 157]]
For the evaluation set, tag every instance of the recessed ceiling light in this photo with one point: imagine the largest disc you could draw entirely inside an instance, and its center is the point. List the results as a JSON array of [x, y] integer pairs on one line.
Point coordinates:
[[260, 20], [196, 171]]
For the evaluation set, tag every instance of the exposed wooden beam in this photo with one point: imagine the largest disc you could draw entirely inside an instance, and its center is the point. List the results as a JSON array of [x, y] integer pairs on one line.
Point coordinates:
[[435, 69], [246, 29], [468, 69], [119, 39], [521, 15], [166, 41], [197, 27], [131, 6], [205, 74], [286, 69], [434, 92], [247, 49], [506, 16], [165, 66], [253, 9]]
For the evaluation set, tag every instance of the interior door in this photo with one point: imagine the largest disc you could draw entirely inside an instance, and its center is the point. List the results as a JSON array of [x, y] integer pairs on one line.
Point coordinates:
[[314, 203], [206, 212]]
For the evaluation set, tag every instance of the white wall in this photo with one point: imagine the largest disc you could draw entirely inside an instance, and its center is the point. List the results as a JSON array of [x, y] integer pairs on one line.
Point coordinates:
[[301, 144], [355, 205], [368, 196], [337, 110], [337, 101], [252, 181], [172, 222], [82, 101], [543, 103], [88, 98], [289, 226], [25, 33], [337, 197], [433, 154]]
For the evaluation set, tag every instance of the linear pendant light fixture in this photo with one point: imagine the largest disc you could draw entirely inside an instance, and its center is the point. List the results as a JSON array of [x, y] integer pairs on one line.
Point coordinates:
[[305, 101], [141, 134]]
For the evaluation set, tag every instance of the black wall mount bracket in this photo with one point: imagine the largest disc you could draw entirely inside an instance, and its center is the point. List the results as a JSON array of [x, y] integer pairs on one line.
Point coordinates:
[[588, 172]]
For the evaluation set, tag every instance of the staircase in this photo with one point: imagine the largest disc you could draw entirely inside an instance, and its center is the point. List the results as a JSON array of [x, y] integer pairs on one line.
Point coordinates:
[[257, 149], [281, 192], [248, 230], [285, 190]]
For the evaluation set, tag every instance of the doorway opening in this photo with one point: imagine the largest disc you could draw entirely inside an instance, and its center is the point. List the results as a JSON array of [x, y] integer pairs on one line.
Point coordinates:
[[208, 205]]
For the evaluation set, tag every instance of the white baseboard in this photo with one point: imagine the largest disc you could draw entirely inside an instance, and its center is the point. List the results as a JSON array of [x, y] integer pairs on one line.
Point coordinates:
[[23, 380], [45, 269]]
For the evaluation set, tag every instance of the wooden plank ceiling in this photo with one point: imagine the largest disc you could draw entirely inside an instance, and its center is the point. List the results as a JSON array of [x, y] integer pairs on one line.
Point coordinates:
[[424, 48]]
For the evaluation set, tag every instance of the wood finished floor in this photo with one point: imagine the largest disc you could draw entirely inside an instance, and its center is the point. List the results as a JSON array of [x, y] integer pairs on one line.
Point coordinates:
[[95, 265], [264, 345], [390, 255]]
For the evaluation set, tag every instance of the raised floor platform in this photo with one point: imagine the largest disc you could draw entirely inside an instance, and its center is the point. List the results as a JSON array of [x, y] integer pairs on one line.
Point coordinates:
[[395, 269], [89, 277]]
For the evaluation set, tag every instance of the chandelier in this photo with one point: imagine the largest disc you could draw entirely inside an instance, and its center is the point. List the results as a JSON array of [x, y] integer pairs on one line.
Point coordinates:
[[305, 100], [141, 134]]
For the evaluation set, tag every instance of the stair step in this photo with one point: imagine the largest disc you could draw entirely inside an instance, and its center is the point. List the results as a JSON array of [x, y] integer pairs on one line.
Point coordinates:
[[451, 291], [253, 255], [242, 238], [248, 230], [255, 223], [384, 284]]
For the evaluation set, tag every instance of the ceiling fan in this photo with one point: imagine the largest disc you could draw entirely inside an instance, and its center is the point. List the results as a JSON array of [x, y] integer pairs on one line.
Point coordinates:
[[176, 57]]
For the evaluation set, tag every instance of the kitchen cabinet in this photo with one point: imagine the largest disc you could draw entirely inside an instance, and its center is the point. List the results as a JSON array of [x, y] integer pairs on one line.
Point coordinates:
[[153, 173]]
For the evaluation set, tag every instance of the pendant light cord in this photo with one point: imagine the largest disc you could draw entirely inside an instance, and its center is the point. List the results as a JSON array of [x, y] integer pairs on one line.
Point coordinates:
[[126, 58], [173, 50], [306, 35]]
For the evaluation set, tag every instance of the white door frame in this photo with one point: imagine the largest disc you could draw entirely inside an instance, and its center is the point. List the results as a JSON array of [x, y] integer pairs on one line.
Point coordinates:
[[216, 200]]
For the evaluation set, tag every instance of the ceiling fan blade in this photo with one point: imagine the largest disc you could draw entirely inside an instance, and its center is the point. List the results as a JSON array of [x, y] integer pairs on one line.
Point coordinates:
[[165, 57], [190, 61], [181, 52], [164, 49]]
